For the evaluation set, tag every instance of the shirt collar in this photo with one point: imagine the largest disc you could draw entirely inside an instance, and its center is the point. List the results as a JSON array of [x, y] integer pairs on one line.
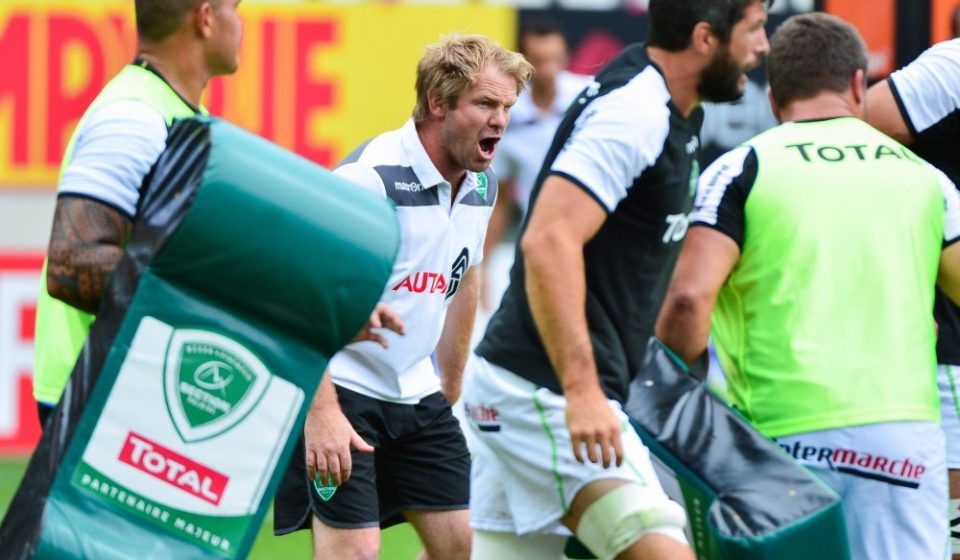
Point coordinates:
[[425, 170]]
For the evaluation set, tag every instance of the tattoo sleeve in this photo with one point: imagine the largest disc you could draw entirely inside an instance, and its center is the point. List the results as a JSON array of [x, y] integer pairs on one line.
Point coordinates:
[[86, 243]]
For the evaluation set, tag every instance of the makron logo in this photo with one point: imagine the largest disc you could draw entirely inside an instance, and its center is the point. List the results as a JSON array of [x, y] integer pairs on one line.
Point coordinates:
[[210, 383]]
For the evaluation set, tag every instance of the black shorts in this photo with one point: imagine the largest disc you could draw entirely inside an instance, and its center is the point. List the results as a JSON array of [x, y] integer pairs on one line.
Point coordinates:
[[421, 462]]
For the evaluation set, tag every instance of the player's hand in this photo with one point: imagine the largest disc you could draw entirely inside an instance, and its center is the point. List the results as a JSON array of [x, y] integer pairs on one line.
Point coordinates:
[[383, 317], [594, 427], [328, 438]]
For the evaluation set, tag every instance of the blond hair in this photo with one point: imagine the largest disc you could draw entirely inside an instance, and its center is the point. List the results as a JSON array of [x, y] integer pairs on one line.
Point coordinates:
[[455, 63]]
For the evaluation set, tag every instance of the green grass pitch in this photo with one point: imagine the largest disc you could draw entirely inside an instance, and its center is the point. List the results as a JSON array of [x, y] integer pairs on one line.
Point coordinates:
[[399, 543]]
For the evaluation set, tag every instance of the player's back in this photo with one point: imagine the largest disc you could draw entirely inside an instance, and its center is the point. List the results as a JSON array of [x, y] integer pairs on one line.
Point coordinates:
[[825, 321]]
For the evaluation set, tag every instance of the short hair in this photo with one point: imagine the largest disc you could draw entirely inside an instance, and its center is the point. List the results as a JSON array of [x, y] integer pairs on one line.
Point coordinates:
[[158, 19], [540, 26], [672, 21], [451, 66], [812, 53]]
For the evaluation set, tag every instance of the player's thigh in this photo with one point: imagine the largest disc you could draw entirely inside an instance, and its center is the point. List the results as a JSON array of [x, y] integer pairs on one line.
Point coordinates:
[[528, 452], [333, 543], [354, 504], [445, 534], [428, 469], [291, 504]]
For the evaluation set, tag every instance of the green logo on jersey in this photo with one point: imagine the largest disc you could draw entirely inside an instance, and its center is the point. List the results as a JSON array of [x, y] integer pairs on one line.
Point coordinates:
[[208, 386], [326, 491], [694, 176], [482, 185]]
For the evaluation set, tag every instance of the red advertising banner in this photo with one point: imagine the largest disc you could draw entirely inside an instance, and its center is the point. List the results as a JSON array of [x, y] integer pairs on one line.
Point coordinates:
[[876, 22], [315, 79], [19, 282], [943, 12]]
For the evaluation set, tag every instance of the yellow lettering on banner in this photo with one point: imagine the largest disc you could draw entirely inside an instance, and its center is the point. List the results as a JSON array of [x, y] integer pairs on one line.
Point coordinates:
[[316, 79]]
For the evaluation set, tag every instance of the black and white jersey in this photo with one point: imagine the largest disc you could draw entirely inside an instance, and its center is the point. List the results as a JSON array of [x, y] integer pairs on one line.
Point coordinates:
[[927, 92], [441, 237], [625, 143]]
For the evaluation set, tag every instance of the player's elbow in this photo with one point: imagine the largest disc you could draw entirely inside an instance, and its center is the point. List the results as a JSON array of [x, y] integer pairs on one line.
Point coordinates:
[[57, 290], [542, 244], [687, 301]]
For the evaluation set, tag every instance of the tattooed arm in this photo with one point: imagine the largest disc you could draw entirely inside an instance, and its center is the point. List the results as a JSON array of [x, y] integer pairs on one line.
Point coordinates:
[[85, 245]]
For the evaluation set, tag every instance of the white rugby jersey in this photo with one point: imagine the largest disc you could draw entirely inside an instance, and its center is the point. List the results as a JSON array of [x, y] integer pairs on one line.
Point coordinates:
[[928, 92], [527, 139], [928, 96], [438, 243], [623, 142]]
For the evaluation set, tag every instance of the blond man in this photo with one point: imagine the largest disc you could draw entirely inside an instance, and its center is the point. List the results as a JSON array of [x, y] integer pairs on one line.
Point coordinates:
[[381, 445]]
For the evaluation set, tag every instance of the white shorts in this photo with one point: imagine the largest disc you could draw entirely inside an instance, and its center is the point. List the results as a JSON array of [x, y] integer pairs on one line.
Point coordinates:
[[524, 475], [892, 479], [948, 380]]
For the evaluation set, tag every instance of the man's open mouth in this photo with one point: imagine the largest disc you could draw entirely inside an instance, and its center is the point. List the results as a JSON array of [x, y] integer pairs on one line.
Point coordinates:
[[488, 145]]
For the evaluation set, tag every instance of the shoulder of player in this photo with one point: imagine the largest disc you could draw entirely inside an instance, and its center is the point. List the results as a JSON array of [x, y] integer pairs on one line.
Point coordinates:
[[570, 84], [938, 66], [643, 97], [126, 116], [384, 149], [730, 165], [362, 175], [638, 109], [949, 49]]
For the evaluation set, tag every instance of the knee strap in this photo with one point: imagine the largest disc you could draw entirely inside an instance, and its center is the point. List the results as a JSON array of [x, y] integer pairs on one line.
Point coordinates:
[[626, 514]]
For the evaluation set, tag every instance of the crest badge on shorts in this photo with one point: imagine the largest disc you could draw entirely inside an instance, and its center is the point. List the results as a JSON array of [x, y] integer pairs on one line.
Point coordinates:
[[326, 491]]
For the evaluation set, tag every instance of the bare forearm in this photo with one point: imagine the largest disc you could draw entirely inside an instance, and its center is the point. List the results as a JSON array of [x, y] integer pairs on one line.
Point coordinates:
[[684, 326], [326, 395], [86, 244], [705, 261], [454, 345], [556, 290]]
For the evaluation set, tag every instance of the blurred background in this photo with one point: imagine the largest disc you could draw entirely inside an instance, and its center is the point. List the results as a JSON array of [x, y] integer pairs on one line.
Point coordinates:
[[317, 77]]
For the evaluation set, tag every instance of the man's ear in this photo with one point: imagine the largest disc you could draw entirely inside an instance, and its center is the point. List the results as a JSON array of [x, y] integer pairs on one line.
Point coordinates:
[[438, 107], [202, 17], [703, 39], [858, 85], [773, 105]]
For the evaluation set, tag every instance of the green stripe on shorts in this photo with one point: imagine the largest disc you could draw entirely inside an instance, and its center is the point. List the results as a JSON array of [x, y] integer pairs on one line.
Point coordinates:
[[553, 452]]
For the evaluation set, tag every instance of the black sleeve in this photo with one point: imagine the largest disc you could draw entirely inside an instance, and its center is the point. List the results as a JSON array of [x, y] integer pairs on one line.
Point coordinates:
[[722, 192]]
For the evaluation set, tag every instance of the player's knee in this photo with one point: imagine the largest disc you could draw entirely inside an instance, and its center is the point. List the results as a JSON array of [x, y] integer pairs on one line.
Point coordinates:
[[454, 546], [345, 544], [345, 550], [625, 515]]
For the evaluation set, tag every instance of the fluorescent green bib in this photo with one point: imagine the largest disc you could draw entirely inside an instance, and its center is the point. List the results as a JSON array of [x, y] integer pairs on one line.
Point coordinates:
[[843, 234], [61, 330]]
